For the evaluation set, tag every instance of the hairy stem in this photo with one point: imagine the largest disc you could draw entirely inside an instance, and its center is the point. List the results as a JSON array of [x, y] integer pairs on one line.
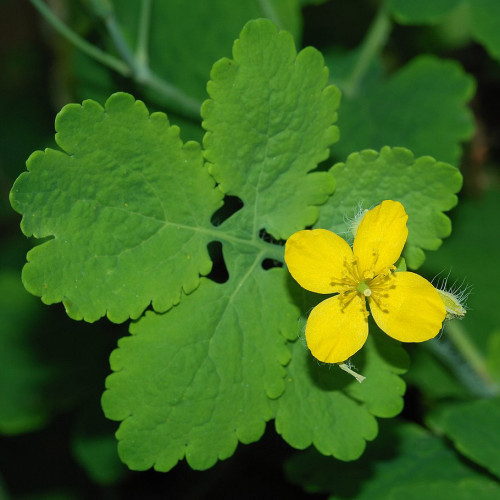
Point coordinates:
[[373, 43]]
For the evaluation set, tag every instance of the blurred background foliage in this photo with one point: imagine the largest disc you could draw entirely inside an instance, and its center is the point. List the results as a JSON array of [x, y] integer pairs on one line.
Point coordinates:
[[54, 440]]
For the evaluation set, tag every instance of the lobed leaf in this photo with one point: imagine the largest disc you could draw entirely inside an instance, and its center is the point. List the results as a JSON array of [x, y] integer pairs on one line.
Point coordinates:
[[269, 122], [126, 207], [424, 186], [325, 407], [198, 379], [424, 100]]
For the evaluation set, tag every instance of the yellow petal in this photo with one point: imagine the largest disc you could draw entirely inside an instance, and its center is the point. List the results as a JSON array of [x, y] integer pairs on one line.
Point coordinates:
[[336, 329], [317, 260], [409, 309], [380, 238]]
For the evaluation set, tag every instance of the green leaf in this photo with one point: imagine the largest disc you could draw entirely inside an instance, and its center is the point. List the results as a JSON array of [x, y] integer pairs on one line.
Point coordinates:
[[402, 456], [316, 410], [423, 100], [483, 14], [424, 186], [473, 428], [474, 220], [113, 203], [465, 489], [94, 446], [23, 377], [271, 115], [421, 11], [484, 24], [198, 379]]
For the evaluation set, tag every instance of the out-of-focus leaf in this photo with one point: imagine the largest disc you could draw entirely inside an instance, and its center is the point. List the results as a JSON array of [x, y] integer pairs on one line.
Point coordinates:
[[465, 257], [474, 429], [421, 11], [403, 455], [94, 446], [23, 377], [424, 100]]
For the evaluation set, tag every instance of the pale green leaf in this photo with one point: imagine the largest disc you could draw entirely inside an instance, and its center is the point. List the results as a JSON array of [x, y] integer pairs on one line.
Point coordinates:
[[474, 429], [198, 379], [424, 186], [269, 122], [421, 107], [113, 203]]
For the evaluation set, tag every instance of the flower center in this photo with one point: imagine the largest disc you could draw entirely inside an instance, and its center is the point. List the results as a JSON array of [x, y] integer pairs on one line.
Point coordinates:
[[363, 288]]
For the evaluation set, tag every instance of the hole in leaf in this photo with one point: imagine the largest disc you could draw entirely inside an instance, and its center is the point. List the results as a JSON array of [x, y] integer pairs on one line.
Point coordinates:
[[219, 272], [265, 236], [270, 263], [231, 205]]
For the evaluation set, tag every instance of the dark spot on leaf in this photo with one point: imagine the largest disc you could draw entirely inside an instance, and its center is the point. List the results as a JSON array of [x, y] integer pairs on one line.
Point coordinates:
[[231, 205], [265, 236], [270, 263], [219, 272]]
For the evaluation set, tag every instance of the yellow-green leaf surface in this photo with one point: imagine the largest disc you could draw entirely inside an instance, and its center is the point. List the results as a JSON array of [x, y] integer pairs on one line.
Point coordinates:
[[194, 381], [423, 185], [474, 429], [404, 456], [424, 100], [113, 205], [269, 122]]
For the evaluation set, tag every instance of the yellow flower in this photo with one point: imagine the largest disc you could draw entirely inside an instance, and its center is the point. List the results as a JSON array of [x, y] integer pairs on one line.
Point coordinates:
[[403, 304]]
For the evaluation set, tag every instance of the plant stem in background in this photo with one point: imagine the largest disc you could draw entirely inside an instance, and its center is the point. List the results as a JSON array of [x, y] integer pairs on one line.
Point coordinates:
[[131, 66], [463, 359], [141, 50], [86, 47], [372, 44]]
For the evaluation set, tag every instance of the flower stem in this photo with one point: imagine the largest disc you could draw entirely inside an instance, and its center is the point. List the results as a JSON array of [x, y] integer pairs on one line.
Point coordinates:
[[372, 44]]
